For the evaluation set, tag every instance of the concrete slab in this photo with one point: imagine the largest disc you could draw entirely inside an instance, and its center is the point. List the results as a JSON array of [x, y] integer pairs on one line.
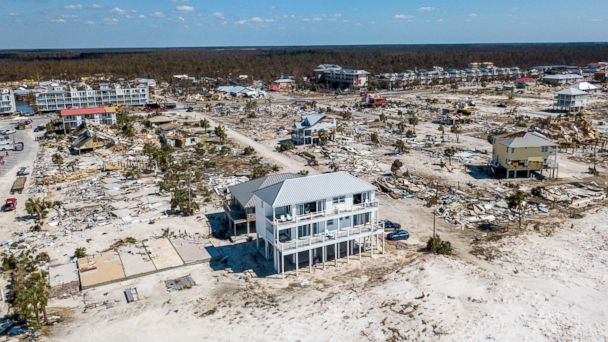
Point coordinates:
[[163, 254], [191, 251], [135, 260], [100, 269]]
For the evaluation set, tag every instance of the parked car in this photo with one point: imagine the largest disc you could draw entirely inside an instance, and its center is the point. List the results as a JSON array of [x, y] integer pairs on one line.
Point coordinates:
[[391, 225], [23, 171], [398, 235], [39, 128], [8, 131]]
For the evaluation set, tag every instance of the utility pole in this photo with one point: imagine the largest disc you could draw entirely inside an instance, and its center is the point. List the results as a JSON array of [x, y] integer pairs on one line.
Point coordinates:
[[435, 211]]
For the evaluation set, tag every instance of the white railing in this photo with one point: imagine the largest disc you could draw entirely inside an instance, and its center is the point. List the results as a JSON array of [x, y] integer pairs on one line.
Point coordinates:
[[311, 241], [310, 216]]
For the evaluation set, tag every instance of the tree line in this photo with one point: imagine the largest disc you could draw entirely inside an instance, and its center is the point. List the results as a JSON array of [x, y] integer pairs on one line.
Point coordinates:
[[269, 63]]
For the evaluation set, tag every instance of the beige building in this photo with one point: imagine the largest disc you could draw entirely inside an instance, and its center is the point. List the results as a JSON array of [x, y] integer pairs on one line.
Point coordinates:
[[521, 153]]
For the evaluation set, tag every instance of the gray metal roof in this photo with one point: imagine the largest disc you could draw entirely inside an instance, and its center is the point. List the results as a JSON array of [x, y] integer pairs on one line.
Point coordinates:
[[309, 120], [529, 139], [243, 192], [571, 91], [312, 188]]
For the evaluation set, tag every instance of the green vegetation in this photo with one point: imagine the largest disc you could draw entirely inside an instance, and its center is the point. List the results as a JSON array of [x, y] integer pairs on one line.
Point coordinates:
[[437, 246]]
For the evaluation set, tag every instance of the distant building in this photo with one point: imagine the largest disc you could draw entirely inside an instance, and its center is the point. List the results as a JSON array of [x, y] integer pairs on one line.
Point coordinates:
[[585, 86], [7, 101], [54, 96], [309, 130], [525, 152], [283, 85], [524, 82], [337, 77], [562, 78], [308, 220], [570, 100], [75, 117], [240, 91]]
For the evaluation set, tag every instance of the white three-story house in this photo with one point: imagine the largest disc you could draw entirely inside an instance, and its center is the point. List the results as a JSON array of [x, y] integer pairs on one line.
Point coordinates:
[[313, 219]]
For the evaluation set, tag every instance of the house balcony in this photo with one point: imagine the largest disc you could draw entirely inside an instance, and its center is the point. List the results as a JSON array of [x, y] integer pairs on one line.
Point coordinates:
[[237, 215], [329, 238], [289, 220]]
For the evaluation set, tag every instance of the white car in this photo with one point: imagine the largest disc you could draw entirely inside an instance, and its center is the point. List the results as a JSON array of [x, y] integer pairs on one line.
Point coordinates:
[[8, 131]]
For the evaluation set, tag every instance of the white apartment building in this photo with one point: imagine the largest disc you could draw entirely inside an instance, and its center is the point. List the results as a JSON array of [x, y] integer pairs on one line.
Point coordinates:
[[75, 117], [54, 96], [7, 101], [307, 220], [339, 77]]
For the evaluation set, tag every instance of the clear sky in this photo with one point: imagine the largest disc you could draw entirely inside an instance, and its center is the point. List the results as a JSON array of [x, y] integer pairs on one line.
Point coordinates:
[[168, 23]]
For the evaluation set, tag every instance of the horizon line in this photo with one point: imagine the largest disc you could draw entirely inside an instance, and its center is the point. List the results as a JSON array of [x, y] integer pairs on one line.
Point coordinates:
[[303, 46]]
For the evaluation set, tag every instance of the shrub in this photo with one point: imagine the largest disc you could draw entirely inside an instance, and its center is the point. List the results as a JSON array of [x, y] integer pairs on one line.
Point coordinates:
[[437, 246]]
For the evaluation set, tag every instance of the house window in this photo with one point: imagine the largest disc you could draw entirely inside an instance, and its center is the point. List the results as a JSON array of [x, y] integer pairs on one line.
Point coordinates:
[[340, 199], [545, 149], [512, 150]]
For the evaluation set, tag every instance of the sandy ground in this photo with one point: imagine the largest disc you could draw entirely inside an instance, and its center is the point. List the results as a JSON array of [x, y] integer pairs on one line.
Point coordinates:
[[537, 289]]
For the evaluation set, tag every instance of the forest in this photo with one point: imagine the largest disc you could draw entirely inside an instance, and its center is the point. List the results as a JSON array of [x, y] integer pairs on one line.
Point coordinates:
[[266, 63]]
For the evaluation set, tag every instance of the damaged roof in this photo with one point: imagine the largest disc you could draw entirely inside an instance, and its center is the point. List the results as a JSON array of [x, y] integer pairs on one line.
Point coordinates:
[[524, 139]]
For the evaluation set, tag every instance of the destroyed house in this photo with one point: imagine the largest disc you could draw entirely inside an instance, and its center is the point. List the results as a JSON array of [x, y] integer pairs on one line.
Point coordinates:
[[100, 115], [312, 128], [240, 210], [172, 135], [316, 218], [283, 85], [87, 141], [521, 153]]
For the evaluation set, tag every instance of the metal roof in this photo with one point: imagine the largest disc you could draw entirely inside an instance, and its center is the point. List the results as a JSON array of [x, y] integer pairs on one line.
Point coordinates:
[[571, 91], [243, 192], [312, 188], [525, 139]]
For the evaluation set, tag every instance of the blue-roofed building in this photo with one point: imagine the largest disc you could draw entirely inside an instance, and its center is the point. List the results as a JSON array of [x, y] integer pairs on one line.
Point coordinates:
[[312, 128]]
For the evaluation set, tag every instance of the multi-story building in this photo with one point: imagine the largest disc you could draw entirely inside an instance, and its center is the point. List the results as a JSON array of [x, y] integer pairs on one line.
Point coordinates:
[[338, 77], [526, 152], [316, 218], [75, 117], [311, 128], [240, 210], [570, 100], [7, 101], [53, 96]]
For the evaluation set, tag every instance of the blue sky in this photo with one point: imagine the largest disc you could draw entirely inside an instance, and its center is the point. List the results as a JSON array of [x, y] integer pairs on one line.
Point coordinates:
[[168, 23]]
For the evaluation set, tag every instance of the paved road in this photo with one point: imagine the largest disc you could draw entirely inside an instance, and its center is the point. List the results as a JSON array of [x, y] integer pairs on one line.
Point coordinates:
[[15, 159]]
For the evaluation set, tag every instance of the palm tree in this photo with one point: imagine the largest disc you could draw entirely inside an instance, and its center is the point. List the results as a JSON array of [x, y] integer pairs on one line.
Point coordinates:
[[449, 152], [204, 124], [35, 207], [80, 252], [456, 129], [221, 133], [442, 130], [182, 199], [373, 137], [414, 121], [396, 166], [400, 147], [57, 159], [517, 202], [401, 127]]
